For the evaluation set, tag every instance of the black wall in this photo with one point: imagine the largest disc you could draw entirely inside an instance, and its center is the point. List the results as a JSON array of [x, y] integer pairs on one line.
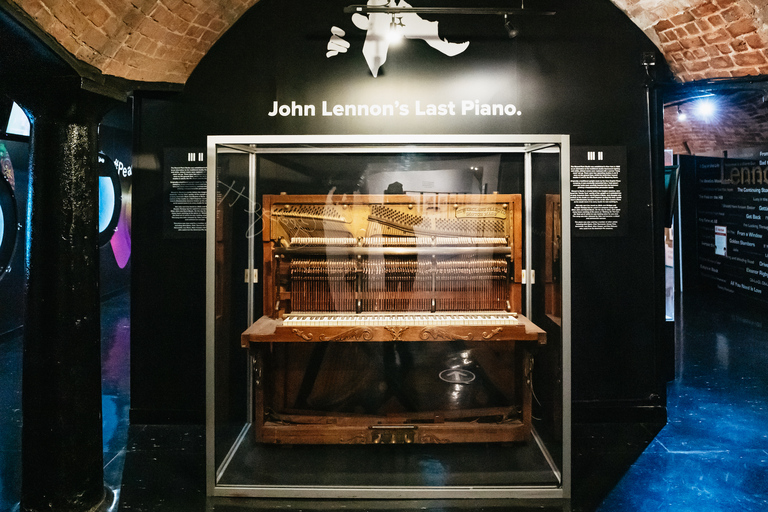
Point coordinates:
[[579, 72]]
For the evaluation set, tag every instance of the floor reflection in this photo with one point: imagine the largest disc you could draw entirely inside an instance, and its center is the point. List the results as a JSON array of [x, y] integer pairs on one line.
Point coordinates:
[[115, 385], [713, 452], [10, 422], [115, 328]]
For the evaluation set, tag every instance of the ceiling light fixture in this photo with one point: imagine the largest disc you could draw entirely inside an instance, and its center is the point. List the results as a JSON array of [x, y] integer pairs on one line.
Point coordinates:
[[395, 34], [369, 9], [706, 108], [511, 31], [506, 13]]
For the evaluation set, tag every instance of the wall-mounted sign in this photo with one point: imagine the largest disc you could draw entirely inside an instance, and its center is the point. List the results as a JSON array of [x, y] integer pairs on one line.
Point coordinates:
[[396, 108], [339, 72], [184, 173], [732, 224], [599, 190]]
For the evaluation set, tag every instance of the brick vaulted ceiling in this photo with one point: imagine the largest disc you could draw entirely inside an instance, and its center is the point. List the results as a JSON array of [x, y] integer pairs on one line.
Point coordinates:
[[706, 39], [138, 40], [163, 40]]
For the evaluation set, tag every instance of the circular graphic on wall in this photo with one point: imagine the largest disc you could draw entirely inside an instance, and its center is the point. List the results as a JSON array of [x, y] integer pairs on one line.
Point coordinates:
[[9, 222], [110, 199]]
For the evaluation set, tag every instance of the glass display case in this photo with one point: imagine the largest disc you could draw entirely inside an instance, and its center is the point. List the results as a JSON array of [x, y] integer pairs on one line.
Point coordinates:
[[375, 328]]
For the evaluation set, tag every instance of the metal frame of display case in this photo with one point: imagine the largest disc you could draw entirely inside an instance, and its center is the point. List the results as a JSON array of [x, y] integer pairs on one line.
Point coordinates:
[[444, 144]]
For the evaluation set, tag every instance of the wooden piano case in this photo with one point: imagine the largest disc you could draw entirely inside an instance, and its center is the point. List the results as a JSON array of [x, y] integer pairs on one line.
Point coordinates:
[[392, 319], [553, 295]]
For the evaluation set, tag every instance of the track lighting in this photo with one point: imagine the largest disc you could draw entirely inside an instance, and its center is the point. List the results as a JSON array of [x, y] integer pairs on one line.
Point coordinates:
[[701, 107], [512, 32], [396, 22]]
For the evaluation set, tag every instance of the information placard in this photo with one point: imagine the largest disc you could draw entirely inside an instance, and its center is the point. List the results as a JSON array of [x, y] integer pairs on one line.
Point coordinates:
[[732, 224], [599, 190], [184, 172]]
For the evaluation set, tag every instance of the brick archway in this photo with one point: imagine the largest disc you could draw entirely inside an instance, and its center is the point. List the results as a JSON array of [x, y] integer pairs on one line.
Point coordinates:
[[705, 39], [163, 40], [138, 40]]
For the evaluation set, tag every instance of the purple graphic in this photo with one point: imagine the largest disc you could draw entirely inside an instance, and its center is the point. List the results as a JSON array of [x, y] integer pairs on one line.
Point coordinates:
[[121, 240]]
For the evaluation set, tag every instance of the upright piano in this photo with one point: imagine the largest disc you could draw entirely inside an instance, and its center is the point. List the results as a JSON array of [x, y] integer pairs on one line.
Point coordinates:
[[392, 319]]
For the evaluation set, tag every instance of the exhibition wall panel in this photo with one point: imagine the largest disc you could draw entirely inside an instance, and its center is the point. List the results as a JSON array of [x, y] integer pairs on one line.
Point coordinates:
[[583, 71]]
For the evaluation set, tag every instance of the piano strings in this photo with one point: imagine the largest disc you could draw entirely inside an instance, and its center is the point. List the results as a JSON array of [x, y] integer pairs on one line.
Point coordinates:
[[322, 284], [398, 284]]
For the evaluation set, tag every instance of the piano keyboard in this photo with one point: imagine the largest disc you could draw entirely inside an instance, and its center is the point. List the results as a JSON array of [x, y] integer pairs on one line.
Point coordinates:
[[373, 320]]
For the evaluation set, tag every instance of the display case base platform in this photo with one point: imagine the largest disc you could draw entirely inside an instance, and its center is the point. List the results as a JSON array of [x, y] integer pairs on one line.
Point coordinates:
[[397, 471]]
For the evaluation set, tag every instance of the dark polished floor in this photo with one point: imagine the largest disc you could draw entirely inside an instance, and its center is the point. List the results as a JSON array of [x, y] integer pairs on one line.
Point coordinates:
[[711, 456], [115, 401], [713, 453]]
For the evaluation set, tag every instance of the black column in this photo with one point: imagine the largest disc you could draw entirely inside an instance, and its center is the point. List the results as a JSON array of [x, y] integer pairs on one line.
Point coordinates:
[[61, 446], [62, 460]]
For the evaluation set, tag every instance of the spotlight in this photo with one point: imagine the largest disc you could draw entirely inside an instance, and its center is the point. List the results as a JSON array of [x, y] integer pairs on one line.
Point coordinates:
[[395, 34], [511, 31], [706, 109]]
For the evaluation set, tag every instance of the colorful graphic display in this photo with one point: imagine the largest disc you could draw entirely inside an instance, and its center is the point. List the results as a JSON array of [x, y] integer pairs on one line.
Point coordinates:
[[8, 213]]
